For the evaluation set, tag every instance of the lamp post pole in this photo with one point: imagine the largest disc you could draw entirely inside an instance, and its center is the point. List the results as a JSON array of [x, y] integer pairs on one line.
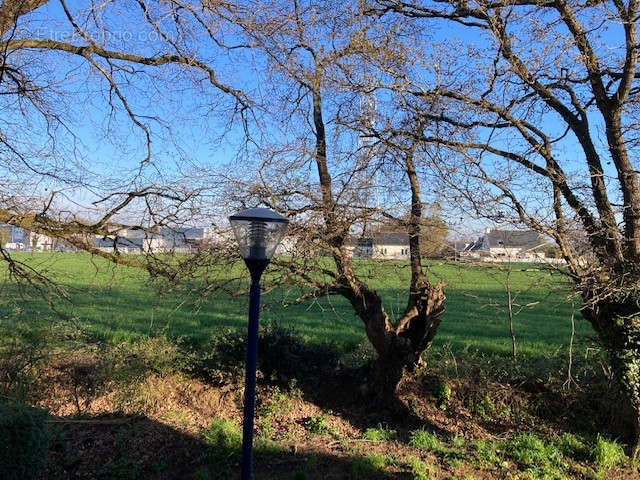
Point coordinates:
[[256, 269], [258, 232]]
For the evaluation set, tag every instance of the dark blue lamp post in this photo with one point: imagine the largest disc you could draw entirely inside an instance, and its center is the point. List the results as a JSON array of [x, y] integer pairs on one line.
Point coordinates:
[[258, 232]]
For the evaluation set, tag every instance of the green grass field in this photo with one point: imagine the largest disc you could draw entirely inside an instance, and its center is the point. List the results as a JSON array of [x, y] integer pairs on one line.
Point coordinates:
[[121, 304]]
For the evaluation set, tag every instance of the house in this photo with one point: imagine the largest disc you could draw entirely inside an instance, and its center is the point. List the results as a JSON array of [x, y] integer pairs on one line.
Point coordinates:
[[121, 244], [179, 240], [159, 240], [498, 244], [13, 238], [383, 245], [17, 238]]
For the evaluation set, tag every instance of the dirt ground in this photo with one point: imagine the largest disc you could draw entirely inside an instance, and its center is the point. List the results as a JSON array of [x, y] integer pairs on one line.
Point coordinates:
[[157, 429]]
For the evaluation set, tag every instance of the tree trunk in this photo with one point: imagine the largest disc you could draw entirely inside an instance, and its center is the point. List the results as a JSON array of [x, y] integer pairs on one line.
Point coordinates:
[[617, 323], [399, 345], [386, 374]]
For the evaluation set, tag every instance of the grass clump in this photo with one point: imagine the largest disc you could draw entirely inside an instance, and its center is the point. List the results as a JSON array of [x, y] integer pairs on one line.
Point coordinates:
[[223, 438], [24, 446], [607, 454], [380, 434], [425, 440], [122, 469], [319, 425], [442, 392], [571, 446], [486, 452], [419, 469], [540, 458], [363, 468]]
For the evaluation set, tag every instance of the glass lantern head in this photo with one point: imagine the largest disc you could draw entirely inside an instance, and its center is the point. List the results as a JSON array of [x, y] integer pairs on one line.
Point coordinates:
[[258, 232]]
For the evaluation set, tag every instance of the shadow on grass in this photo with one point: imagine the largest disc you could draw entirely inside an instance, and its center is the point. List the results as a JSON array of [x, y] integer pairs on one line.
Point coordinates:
[[129, 447]]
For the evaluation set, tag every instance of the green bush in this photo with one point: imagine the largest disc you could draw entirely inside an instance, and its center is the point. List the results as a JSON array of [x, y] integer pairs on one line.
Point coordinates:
[[221, 358], [283, 355], [23, 442]]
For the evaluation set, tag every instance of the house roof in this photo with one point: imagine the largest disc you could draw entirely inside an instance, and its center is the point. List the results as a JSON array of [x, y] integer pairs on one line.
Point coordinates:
[[391, 238], [380, 238], [525, 239], [472, 247], [120, 242]]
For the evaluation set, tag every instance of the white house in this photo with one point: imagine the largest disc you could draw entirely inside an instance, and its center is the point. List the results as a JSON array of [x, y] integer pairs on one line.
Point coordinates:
[[384, 245], [498, 244], [14, 238]]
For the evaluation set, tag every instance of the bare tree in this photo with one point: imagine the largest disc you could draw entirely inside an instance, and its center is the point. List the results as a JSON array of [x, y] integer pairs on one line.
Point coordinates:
[[116, 73], [532, 106], [315, 170]]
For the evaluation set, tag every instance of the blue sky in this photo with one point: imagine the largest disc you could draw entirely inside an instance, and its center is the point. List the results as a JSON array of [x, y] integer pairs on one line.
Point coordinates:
[[194, 112]]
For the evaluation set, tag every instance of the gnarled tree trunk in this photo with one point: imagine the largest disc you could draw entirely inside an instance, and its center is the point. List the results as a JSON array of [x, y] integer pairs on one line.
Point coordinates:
[[399, 345], [617, 323]]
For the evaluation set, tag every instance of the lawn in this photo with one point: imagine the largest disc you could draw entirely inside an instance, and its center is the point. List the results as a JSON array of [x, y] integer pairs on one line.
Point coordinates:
[[120, 304], [472, 414]]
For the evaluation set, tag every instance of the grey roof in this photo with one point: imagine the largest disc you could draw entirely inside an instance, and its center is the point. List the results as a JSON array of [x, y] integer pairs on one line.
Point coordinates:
[[184, 233], [120, 242], [525, 239], [472, 247], [192, 233], [379, 238], [391, 238]]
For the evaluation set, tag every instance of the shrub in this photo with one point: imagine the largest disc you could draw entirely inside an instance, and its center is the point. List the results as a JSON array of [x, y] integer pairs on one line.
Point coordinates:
[[283, 355], [221, 357], [24, 445]]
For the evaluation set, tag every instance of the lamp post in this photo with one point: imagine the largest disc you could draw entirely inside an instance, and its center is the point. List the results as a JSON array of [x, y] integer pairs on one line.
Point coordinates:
[[258, 232]]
